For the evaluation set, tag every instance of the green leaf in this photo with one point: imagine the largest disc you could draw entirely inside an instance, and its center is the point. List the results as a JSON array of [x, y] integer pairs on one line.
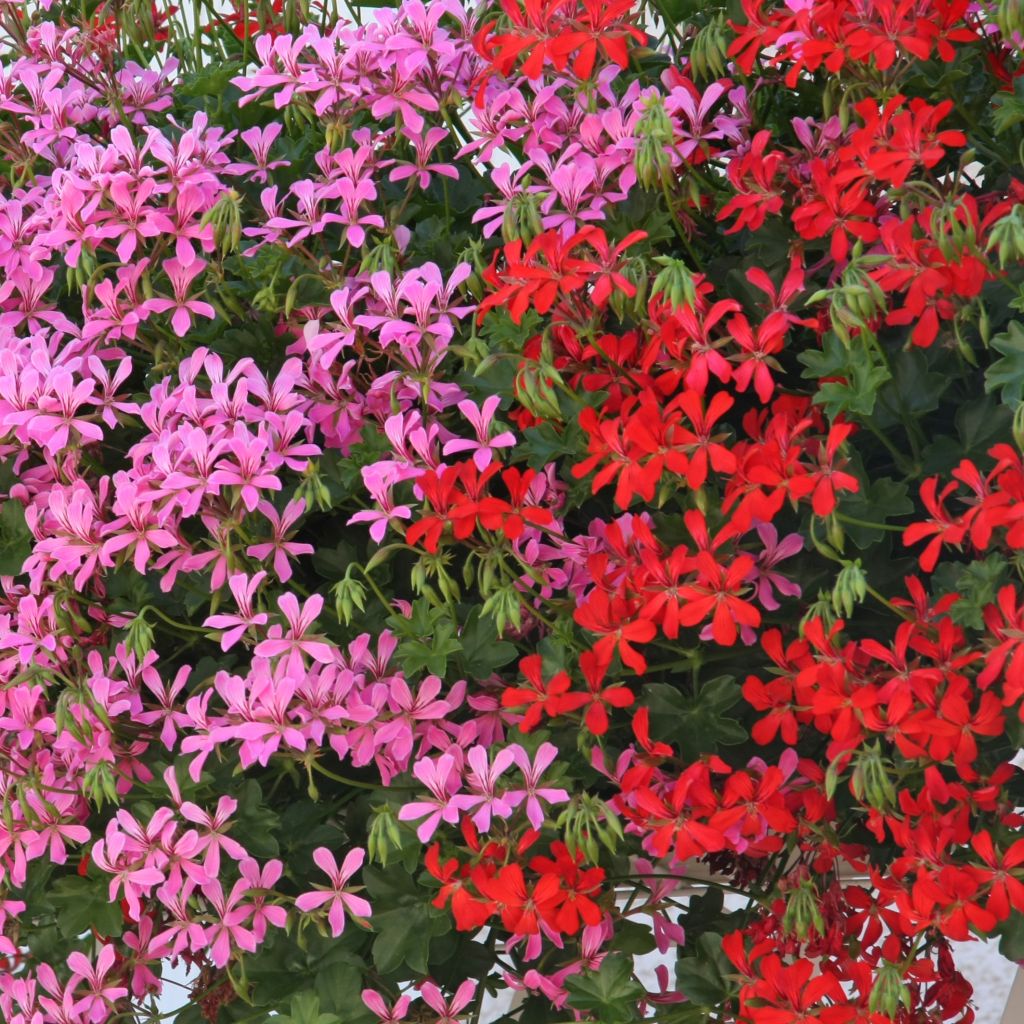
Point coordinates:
[[15, 538], [633, 938], [1007, 374], [1008, 108], [862, 376], [482, 651], [391, 887], [83, 904], [698, 724], [305, 1009], [875, 502], [703, 976], [915, 389], [545, 443], [256, 825], [981, 423], [404, 935], [213, 80], [1011, 936], [430, 656], [977, 583], [339, 982], [610, 994]]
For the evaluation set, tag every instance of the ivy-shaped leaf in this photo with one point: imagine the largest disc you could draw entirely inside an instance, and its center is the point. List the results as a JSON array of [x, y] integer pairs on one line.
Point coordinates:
[[610, 993], [851, 377], [1007, 374]]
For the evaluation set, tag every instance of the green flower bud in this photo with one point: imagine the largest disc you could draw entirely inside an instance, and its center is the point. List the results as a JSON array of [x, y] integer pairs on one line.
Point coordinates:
[[802, 916], [535, 390], [505, 607], [850, 589], [384, 836], [418, 576], [870, 779], [100, 786], [522, 219], [587, 823], [296, 16], [1018, 426], [139, 638], [890, 991], [382, 256], [349, 596], [675, 282], [709, 51], [654, 130], [1007, 237], [835, 533], [819, 609], [226, 217], [135, 19], [313, 490], [1010, 17]]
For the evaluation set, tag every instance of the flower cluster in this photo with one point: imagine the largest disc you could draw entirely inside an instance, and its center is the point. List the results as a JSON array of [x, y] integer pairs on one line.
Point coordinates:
[[468, 468]]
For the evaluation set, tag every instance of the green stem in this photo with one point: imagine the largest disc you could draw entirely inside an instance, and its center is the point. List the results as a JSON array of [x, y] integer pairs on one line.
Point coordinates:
[[183, 626], [380, 595], [854, 521], [898, 457], [677, 225]]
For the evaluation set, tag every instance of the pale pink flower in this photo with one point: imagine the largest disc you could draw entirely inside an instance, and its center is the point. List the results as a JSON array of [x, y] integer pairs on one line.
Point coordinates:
[[184, 307], [339, 898]]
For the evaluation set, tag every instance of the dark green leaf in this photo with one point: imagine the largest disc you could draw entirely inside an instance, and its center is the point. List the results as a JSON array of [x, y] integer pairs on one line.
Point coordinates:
[[1007, 373], [1011, 936], [876, 502], [83, 904], [15, 538], [703, 975], [610, 993], [482, 651], [698, 724]]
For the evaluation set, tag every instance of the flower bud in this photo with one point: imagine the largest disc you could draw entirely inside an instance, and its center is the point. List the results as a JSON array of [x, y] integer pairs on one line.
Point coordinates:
[[675, 282], [890, 990], [850, 589], [802, 916], [382, 256], [522, 219], [313, 489], [1018, 426], [384, 835], [349, 595], [135, 20], [835, 533], [709, 51], [1010, 18], [99, 785], [139, 638], [226, 217], [1007, 237], [870, 780], [819, 609], [655, 133], [505, 607]]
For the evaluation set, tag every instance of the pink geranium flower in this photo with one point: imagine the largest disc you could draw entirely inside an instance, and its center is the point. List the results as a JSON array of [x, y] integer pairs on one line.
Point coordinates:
[[336, 896]]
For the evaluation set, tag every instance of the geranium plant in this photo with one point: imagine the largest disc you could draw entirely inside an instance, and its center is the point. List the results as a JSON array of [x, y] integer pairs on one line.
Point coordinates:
[[470, 469]]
